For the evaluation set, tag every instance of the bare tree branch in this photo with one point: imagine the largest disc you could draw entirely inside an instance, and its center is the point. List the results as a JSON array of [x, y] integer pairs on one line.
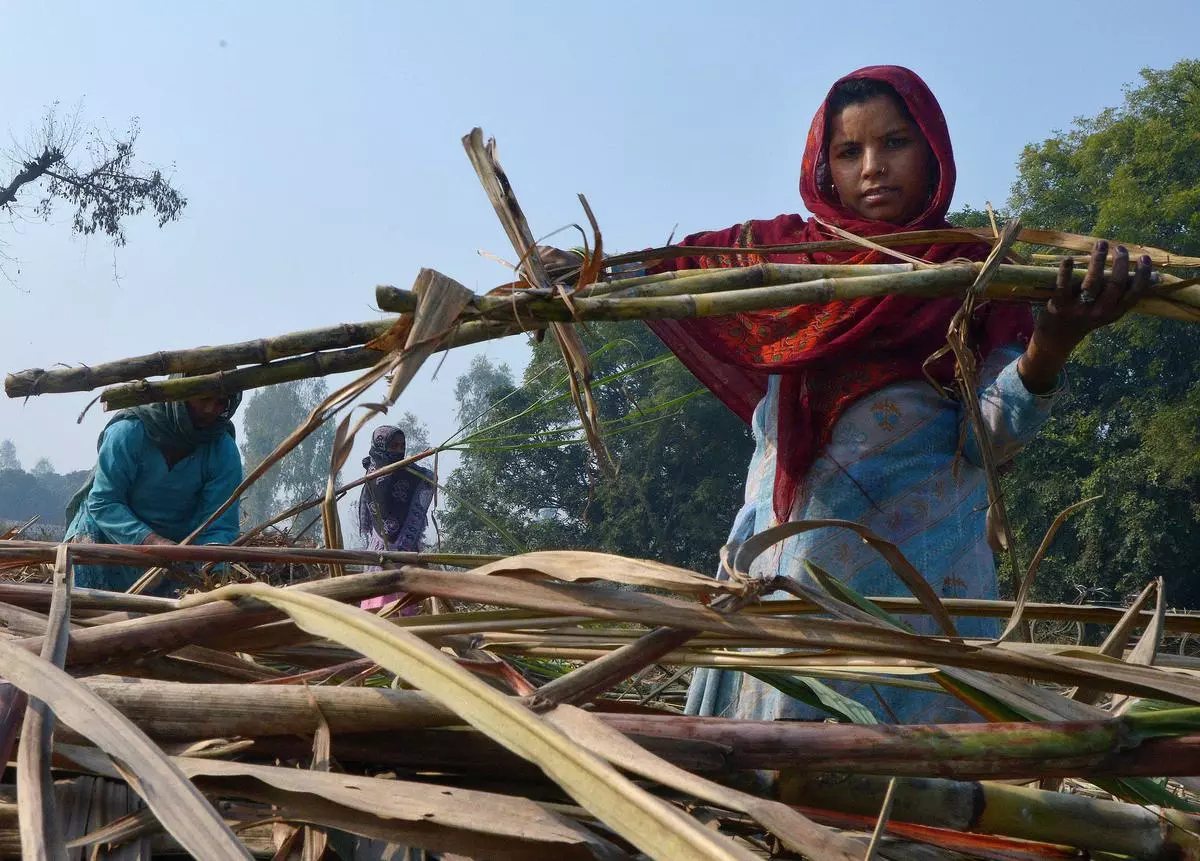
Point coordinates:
[[104, 193], [31, 171]]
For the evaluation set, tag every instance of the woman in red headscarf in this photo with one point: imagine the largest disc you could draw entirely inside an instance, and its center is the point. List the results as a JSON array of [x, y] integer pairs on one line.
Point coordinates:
[[846, 425]]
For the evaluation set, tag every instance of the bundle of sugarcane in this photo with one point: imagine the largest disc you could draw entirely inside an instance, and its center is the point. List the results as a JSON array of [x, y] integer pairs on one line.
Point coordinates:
[[539, 301], [429, 731], [675, 295]]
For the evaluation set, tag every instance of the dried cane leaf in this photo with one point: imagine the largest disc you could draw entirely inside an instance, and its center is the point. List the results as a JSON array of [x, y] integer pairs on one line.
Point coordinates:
[[183, 811], [41, 830], [121, 830], [484, 824], [910, 576], [799, 833], [315, 839], [658, 610], [584, 566], [653, 826], [995, 697], [499, 191], [873, 246], [1147, 645], [395, 337], [1114, 644], [1027, 581]]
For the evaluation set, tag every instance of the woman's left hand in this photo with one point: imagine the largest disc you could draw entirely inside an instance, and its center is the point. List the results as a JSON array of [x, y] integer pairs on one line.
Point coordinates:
[[1075, 310]]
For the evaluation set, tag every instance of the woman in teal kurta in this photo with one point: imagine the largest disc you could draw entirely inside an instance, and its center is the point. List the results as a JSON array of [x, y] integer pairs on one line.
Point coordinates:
[[162, 470]]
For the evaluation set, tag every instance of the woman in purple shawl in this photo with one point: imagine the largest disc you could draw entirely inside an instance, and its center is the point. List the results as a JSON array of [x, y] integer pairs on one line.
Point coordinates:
[[392, 509]]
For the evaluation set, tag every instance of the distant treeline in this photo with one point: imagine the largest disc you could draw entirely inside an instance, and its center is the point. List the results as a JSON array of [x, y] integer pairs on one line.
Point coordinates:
[[43, 492]]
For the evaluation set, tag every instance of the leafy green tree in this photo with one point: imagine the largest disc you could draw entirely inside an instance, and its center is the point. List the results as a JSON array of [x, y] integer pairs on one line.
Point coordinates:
[[270, 416], [43, 467], [1130, 429], [45, 494], [528, 480]]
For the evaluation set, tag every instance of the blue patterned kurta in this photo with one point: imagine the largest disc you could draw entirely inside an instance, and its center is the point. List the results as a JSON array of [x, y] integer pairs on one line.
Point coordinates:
[[894, 465]]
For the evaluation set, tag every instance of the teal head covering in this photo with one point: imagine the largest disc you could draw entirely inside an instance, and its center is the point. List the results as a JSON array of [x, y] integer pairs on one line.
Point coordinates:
[[169, 428]]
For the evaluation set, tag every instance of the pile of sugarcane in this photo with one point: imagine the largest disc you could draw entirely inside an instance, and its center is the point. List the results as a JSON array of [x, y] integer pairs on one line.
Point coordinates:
[[194, 724], [533, 710]]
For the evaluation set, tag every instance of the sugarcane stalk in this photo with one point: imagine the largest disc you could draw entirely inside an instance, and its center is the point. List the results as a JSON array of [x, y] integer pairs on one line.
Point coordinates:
[[286, 370], [169, 710], [758, 275], [469, 752], [1012, 811], [146, 556], [1119, 747], [593, 679], [956, 235], [200, 360], [1174, 622], [768, 286], [166, 632]]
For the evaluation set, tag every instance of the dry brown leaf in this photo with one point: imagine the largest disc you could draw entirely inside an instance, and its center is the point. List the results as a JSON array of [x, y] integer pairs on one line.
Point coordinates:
[[1147, 646], [183, 811], [41, 831], [797, 832], [653, 826], [1026, 585], [395, 337], [745, 553], [586, 565], [1114, 644]]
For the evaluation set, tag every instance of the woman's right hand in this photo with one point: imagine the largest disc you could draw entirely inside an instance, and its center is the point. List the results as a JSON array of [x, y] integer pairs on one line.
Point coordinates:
[[156, 540]]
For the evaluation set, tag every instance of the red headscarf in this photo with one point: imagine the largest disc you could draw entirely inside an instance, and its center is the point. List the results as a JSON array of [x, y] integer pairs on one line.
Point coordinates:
[[828, 356]]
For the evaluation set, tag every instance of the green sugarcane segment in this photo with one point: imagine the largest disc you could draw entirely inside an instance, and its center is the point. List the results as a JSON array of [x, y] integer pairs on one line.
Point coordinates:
[[1012, 811]]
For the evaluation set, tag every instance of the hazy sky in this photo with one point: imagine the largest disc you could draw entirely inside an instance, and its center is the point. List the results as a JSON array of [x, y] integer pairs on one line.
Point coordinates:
[[318, 145]]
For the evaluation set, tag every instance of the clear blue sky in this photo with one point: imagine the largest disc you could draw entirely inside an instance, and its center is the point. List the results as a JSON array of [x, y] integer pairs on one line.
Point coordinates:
[[318, 144]]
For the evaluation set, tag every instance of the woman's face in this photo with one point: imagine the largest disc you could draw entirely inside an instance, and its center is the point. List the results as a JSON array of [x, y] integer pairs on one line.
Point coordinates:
[[880, 163], [204, 411], [396, 444]]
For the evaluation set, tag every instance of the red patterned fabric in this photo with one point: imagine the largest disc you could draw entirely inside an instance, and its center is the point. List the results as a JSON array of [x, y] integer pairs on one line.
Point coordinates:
[[828, 356]]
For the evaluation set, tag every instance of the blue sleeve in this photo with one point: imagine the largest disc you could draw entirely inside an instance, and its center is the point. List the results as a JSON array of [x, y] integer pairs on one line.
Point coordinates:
[[1012, 414], [222, 475], [117, 466]]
